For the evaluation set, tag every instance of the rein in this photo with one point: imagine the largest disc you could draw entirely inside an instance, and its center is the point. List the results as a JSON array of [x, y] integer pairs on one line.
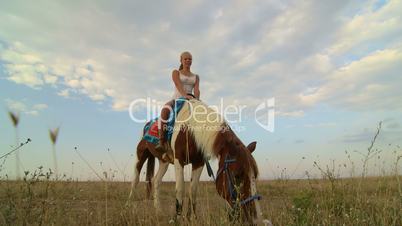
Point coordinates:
[[231, 188]]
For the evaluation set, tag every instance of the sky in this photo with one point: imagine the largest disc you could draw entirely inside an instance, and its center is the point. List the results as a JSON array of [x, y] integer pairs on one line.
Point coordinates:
[[333, 68]]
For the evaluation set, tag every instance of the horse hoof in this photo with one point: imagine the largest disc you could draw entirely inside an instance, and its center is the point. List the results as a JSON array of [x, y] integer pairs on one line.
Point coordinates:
[[267, 222], [175, 219]]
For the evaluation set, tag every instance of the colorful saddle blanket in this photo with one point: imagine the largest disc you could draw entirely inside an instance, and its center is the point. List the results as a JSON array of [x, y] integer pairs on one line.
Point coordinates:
[[151, 128]]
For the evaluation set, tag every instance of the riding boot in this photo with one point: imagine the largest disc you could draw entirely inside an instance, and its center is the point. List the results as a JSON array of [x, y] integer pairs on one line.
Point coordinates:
[[164, 145], [160, 147], [168, 155]]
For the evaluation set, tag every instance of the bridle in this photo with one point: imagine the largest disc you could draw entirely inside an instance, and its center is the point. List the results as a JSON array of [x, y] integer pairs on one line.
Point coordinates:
[[229, 180]]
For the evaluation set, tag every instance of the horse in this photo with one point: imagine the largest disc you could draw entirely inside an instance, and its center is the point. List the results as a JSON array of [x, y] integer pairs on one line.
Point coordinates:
[[200, 133]]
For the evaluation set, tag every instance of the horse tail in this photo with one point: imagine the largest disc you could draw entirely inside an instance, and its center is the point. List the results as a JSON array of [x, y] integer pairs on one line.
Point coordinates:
[[150, 174], [142, 155]]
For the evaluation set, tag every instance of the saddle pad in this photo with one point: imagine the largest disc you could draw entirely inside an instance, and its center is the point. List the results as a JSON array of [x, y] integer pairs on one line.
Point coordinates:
[[151, 133]]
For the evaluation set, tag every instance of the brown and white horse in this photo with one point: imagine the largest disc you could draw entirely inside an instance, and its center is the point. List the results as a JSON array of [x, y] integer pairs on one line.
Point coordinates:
[[200, 133]]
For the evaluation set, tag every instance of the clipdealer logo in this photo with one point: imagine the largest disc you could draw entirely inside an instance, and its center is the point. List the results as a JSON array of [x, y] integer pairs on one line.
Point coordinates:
[[264, 112]]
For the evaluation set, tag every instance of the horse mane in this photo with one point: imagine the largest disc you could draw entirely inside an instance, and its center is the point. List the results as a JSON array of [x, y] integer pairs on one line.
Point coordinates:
[[204, 124], [250, 159], [254, 166], [211, 132]]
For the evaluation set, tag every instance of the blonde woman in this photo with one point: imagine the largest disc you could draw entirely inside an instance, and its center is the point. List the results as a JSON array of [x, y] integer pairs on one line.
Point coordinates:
[[187, 85]]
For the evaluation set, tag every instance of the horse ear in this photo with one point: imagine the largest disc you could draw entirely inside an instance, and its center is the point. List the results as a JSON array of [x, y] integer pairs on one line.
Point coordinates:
[[251, 146]]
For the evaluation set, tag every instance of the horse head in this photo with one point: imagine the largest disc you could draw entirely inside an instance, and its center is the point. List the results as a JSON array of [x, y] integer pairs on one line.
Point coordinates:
[[236, 178]]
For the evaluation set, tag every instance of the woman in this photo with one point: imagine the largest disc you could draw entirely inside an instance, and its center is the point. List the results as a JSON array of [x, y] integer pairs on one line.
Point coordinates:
[[187, 85]]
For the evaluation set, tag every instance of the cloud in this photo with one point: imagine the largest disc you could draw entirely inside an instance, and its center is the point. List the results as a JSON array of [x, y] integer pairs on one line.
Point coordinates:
[[290, 114], [299, 141], [84, 76], [39, 106], [371, 26], [64, 93], [324, 124], [364, 136], [390, 132], [370, 83], [391, 123], [23, 107], [16, 105], [394, 125], [244, 51], [25, 67]]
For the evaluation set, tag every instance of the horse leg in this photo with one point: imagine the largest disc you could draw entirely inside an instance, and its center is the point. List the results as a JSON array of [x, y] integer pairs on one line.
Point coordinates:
[[156, 181], [179, 187], [150, 174], [195, 178], [142, 154]]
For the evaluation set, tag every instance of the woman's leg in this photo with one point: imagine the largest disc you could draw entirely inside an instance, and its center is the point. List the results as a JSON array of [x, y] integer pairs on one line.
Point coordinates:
[[163, 120]]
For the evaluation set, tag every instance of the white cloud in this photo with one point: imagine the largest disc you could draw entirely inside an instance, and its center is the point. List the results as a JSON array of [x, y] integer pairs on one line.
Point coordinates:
[[23, 107], [323, 124], [245, 51], [39, 106], [370, 26], [370, 83], [50, 79], [17, 55], [64, 93], [28, 78], [290, 114], [16, 105], [32, 112], [24, 67]]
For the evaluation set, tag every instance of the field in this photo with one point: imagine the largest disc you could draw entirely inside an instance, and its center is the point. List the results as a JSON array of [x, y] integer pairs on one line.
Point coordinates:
[[39, 200]]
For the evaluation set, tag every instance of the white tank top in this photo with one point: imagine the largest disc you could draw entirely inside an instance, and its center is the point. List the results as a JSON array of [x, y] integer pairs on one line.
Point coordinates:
[[187, 82]]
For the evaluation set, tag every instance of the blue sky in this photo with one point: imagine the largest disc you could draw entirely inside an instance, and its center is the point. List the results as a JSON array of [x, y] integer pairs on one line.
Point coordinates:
[[333, 67]]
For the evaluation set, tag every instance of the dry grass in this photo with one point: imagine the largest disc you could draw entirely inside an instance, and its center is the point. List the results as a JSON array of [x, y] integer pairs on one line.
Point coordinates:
[[42, 198], [40, 201]]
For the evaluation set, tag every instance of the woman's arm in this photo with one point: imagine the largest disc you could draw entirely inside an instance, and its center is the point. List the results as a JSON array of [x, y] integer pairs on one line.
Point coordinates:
[[177, 82], [197, 87]]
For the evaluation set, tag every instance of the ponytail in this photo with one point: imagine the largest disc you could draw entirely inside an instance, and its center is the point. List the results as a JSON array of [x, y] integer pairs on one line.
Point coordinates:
[[181, 66]]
